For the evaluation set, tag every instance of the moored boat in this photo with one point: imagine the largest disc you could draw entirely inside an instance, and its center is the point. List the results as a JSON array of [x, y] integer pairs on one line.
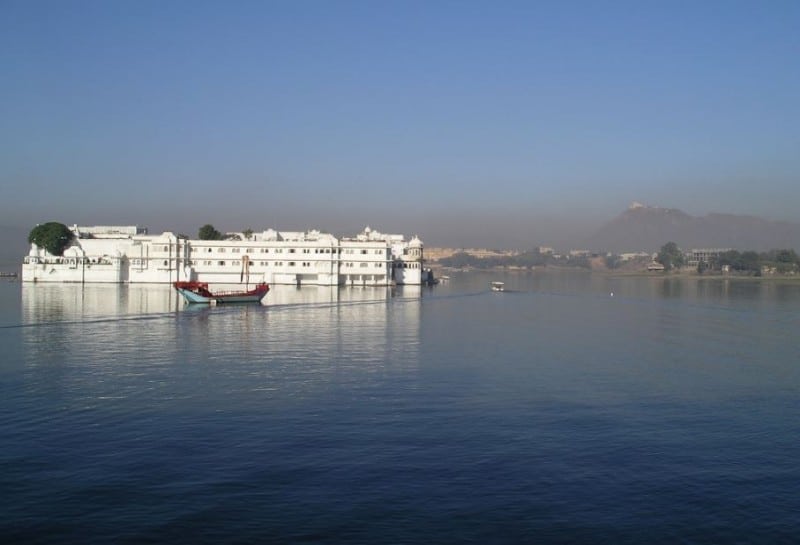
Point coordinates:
[[497, 286], [198, 292]]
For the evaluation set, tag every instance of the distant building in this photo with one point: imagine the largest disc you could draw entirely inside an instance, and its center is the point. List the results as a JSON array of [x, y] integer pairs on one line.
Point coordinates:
[[579, 253], [630, 256], [705, 255], [484, 252], [436, 254]]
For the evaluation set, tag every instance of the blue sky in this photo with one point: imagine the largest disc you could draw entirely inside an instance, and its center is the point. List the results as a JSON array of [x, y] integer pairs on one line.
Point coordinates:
[[486, 122]]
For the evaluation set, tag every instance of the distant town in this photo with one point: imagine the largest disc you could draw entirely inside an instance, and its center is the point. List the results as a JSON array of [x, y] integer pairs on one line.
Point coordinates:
[[655, 240], [703, 261]]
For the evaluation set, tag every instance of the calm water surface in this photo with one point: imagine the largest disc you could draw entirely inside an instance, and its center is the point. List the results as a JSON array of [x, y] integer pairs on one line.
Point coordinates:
[[551, 413]]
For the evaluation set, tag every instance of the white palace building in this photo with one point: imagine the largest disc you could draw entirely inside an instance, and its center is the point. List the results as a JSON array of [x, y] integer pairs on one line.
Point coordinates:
[[127, 254]]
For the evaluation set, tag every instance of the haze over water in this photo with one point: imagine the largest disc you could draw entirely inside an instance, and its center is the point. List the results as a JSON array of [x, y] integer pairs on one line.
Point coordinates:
[[551, 413]]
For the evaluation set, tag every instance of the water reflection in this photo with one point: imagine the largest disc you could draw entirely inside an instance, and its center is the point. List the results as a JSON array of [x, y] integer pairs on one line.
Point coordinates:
[[694, 289], [120, 399], [301, 337], [57, 302]]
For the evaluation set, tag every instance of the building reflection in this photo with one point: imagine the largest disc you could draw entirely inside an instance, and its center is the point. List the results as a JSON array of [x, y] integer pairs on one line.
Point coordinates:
[[59, 302], [316, 328]]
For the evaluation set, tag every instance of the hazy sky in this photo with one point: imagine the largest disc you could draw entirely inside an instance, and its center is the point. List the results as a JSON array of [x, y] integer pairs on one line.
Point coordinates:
[[482, 122]]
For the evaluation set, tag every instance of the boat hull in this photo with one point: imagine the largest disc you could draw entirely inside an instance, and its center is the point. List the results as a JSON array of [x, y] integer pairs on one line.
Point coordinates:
[[201, 295]]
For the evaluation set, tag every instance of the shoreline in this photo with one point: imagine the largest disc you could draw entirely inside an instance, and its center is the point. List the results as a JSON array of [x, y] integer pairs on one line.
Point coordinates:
[[789, 278]]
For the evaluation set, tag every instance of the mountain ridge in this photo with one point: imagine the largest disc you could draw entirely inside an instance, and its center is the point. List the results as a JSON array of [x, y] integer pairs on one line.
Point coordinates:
[[647, 228]]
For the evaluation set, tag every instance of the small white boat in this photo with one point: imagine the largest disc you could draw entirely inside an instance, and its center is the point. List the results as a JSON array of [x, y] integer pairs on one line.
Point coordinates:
[[497, 286]]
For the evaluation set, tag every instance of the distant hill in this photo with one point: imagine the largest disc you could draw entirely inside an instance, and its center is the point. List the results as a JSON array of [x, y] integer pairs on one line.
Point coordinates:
[[647, 228]]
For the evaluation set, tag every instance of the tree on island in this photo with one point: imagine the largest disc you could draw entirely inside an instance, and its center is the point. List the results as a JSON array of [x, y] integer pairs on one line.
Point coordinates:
[[670, 256], [749, 262], [207, 232], [786, 256], [52, 236]]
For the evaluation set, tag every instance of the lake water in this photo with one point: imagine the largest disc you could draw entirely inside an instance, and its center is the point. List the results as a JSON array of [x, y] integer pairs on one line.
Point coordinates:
[[551, 413]]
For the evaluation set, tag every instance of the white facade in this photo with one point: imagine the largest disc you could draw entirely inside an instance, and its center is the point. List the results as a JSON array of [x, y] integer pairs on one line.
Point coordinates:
[[706, 255], [125, 254]]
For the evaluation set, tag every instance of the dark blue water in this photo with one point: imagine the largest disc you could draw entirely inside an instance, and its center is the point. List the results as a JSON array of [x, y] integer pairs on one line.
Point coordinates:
[[551, 413]]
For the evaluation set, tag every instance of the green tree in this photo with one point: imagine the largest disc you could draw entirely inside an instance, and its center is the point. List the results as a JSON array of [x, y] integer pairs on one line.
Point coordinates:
[[459, 260], [786, 256], [732, 259], [783, 261], [52, 236], [207, 232], [247, 233], [528, 259], [670, 256], [750, 261]]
